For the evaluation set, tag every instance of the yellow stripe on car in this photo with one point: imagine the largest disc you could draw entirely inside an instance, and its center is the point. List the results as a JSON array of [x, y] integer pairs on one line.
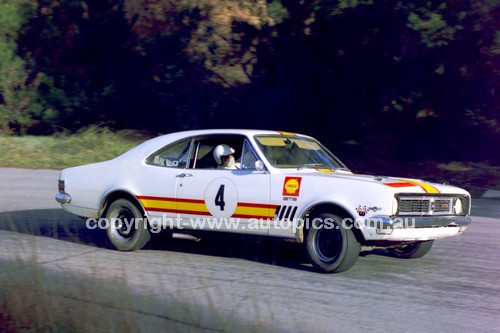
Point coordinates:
[[158, 204], [197, 207], [325, 170], [426, 187], [287, 133], [254, 211], [173, 205]]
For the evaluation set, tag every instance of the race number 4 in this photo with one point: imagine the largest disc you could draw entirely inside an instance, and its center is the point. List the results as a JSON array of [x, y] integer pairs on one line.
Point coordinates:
[[219, 198]]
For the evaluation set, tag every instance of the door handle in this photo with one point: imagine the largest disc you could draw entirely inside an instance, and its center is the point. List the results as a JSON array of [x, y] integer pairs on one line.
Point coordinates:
[[182, 175]]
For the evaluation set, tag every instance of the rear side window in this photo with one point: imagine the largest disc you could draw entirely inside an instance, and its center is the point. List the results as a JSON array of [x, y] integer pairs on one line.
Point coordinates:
[[174, 156]]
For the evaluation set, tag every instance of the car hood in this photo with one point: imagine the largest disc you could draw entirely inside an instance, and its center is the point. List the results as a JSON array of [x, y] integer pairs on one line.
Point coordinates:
[[397, 184]]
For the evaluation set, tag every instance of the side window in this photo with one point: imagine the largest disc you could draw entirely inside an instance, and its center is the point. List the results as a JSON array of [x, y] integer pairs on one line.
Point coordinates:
[[204, 156], [248, 159], [173, 156], [203, 151]]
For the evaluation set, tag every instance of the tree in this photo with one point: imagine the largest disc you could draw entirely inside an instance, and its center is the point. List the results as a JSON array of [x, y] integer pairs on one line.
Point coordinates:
[[20, 105]]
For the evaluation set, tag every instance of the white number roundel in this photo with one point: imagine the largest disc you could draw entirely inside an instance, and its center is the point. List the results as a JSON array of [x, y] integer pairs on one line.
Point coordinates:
[[221, 198]]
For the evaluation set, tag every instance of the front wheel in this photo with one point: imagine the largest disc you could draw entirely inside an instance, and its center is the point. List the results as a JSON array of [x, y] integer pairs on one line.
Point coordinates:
[[330, 246], [127, 227], [411, 251]]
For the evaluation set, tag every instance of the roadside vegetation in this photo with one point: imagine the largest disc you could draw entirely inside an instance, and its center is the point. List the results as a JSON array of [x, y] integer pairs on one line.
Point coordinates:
[[96, 144], [412, 78], [34, 298], [62, 150], [394, 87]]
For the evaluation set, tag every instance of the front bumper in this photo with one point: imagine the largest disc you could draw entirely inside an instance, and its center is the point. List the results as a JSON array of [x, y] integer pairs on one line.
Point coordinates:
[[414, 228], [397, 222], [63, 198]]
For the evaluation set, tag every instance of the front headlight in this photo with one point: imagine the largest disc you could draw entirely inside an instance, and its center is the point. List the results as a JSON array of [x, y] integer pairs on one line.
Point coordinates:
[[458, 206], [394, 206]]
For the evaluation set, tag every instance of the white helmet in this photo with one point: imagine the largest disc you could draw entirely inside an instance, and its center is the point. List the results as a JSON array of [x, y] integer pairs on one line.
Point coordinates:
[[220, 151]]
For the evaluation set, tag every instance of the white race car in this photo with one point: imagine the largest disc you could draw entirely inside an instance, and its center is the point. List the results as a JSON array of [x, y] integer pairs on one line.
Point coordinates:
[[264, 183]]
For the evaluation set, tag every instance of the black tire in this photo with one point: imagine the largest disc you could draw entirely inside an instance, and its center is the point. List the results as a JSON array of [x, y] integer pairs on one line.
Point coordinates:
[[126, 236], [411, 251], [330, 247]]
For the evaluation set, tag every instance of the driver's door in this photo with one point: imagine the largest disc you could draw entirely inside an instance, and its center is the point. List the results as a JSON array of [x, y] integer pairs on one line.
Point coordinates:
[[224, 200]]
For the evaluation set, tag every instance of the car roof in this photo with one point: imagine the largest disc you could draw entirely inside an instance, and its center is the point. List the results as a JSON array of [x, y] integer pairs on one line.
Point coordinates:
[[154, 144], [232, 131]]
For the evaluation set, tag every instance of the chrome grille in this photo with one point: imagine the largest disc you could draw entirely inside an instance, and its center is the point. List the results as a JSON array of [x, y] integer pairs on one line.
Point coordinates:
[[414, 206], [422, 205], [443, 206]]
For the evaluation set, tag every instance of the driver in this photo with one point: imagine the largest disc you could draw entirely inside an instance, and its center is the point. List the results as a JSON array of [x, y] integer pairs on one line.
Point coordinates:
[[223, 155]]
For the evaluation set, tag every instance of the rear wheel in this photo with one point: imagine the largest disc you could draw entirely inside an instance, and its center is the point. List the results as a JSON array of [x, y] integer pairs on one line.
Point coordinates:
[[127, 228], [411, 251], [331, 248]]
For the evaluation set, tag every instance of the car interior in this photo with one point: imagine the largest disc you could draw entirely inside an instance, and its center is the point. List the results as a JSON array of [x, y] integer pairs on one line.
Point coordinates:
[[203, 157]]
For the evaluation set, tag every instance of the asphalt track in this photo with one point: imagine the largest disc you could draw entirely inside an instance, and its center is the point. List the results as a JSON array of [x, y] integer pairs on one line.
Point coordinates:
[[262, 284]]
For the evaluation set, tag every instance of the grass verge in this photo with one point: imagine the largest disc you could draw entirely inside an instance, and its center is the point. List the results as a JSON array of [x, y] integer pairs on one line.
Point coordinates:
[[92, 144], [34, 298], [95, 144]]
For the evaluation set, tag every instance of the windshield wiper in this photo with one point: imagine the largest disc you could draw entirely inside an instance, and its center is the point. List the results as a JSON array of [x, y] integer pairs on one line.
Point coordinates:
[[312, 165], [320, 166]]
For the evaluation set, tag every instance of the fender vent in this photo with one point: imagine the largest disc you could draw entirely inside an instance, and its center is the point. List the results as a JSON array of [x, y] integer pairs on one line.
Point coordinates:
[[285, 213]]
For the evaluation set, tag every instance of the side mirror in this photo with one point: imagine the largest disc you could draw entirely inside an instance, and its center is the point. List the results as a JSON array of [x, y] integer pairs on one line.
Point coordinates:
[[259, 165]]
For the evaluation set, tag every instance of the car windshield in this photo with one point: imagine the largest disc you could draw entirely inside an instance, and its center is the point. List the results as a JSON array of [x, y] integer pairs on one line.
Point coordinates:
[[297, 152]]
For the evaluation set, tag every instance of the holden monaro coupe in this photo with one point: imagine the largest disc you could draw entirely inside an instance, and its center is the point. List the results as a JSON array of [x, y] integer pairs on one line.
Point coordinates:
[[266, 183]]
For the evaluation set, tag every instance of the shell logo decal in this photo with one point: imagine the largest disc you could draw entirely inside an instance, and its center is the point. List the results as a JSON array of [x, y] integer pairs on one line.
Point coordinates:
[[291, 186]]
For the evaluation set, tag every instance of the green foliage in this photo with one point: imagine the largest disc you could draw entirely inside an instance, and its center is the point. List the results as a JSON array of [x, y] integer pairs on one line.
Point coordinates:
[[277, 11], [340, 6], [62, 150], [495, 49], [19, 102], [432, 26], [327, 66]]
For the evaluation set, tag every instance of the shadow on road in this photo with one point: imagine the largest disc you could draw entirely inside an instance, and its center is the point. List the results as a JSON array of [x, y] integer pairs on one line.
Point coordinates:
[[53, 223], [58, 224]]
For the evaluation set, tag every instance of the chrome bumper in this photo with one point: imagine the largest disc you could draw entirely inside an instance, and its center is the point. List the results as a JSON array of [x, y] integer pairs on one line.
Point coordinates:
[[385, 222], [63, 198]]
